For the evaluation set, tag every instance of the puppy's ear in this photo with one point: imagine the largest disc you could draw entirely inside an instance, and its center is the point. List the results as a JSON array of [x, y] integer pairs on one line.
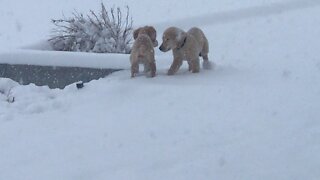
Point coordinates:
[[153, 35], [136, 33], [181, 39]]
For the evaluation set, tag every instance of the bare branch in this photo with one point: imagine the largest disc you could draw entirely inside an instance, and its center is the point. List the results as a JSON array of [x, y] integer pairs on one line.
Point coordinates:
[[109, 31]]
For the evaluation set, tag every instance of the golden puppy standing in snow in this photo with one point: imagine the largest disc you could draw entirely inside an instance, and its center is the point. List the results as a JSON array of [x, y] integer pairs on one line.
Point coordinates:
[[186, 46], [142, 50]]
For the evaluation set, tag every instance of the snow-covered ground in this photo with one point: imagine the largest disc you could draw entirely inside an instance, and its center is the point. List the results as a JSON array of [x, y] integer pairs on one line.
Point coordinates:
[[254, 116]]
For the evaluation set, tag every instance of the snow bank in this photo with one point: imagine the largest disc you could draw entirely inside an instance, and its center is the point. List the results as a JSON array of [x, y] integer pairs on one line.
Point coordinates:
[[256, 116], [68, 59]]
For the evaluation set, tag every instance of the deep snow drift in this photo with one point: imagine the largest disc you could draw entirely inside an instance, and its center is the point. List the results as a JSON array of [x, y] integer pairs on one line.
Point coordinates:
[[255, 116]]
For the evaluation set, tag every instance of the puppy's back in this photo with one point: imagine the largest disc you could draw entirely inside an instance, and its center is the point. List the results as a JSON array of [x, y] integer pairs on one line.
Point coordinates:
[[198, 34], [142, 47]]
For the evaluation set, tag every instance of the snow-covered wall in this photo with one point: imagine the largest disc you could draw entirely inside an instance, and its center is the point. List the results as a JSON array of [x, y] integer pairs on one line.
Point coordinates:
[[58, 69], [68, 59], [52, 76]]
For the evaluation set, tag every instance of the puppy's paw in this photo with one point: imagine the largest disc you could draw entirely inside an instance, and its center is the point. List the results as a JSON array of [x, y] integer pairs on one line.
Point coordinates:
[[151, 75], [195, 71], [207, 65], [170, 73]]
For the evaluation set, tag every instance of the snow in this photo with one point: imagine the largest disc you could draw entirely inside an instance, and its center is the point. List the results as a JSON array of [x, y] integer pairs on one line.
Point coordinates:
[[254, 116], [68, 59]]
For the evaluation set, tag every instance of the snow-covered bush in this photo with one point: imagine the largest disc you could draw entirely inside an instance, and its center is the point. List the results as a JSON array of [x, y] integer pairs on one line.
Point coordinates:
[[106, 32], [6, 86]]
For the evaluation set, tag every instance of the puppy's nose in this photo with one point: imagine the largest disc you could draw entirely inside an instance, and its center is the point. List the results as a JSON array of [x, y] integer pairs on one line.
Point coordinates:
[[161, 48]]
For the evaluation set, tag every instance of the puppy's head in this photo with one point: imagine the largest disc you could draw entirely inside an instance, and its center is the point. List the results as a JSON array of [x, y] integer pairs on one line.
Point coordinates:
[[172, 38], [148, 30]]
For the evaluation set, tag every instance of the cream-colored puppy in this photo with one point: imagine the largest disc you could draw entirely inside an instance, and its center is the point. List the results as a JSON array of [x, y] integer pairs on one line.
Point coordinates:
[[142, 51], [186, 46]]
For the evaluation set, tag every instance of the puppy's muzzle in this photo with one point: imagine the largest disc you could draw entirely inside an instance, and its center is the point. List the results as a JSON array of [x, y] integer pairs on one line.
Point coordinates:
[[162, 48]]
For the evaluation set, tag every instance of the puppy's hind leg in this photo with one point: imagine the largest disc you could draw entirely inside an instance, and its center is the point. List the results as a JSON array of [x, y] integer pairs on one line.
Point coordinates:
[[190, 65], [134, 69], [206, 64], [153, 69], [195, 65], [147, 68]]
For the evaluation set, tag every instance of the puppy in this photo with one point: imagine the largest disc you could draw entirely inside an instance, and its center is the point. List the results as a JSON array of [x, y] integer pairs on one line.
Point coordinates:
[[186, 46], [142, 50]]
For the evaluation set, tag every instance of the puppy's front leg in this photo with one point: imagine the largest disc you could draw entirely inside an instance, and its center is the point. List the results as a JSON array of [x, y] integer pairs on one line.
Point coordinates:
[[175, 66], [177, 62]]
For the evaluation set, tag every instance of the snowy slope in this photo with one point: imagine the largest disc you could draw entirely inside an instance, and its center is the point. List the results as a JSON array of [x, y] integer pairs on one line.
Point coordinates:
[[255, 116]]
